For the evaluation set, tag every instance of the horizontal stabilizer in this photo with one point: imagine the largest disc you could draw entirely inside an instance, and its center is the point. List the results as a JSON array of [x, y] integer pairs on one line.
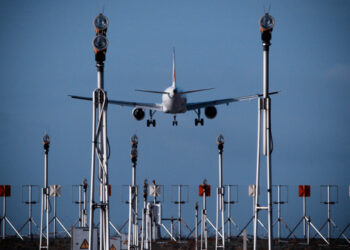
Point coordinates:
[[193, 91], [151, 91], [81, 97], [270, 93]]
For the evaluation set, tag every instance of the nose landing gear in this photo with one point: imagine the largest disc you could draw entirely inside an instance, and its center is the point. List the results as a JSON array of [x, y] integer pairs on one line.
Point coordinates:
[[174, 122]]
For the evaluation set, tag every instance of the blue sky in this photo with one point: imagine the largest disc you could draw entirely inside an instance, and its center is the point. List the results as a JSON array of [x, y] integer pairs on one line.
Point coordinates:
[[47, 55]]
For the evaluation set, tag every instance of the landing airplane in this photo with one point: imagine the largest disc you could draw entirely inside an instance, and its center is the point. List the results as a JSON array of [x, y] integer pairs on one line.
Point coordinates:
[[174, 102]]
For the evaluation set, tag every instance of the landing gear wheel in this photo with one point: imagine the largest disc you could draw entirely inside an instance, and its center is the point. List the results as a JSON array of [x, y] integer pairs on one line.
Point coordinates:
[[198, 120], [151, 121]]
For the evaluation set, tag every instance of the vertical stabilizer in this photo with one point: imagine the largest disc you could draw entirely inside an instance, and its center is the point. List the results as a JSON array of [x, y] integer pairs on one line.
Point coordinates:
[[174, 75]]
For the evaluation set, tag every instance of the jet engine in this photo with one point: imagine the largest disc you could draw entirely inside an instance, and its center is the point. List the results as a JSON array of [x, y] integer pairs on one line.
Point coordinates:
[[138, 113], [210, 112]]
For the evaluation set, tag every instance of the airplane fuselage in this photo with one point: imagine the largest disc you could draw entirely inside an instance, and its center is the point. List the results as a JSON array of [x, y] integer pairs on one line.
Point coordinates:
[[174, 102]]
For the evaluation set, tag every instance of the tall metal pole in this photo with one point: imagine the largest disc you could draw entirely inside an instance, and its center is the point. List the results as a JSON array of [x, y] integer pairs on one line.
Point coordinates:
[[133, 224], [229, 212], [92, 180], [304, 216], [54, 216], [143, 232], [41, 217], [266, 26], [204, 232], [85, 186], [196, 225], [279, 210], [104, 198], [148, 244], [100, 148], [46, 192], [267, 145], [30, 211], [329, 212], [99, 138], [4, 217], [130, 218], [308, 232], [180, 218], [134, 154], [45, 196], [204, 228], [220, 211], [80, 209], [257, 178]]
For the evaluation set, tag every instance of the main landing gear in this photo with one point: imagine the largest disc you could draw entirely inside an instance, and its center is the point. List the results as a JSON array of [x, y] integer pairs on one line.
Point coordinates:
[[174, 122], [151, 121], [198, 120]]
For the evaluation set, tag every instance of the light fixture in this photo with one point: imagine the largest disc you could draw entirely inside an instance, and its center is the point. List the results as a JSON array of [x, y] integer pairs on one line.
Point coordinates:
[[101, 23], [134, 139], [100, 43], [85, 184], [266, 23], [46, 139], [133, 153], [205, 182], [220, 139]]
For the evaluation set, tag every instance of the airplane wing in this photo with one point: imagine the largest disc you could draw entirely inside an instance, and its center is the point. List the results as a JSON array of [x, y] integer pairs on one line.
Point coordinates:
[[197, 105], [152, 106]]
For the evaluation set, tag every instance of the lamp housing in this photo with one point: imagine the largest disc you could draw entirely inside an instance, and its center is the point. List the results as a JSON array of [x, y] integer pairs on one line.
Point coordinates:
[[133, 152], [101, 24], [85, 184], [134, 139], [220, 139], [46, 140], [266, 23], [100, 44]]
